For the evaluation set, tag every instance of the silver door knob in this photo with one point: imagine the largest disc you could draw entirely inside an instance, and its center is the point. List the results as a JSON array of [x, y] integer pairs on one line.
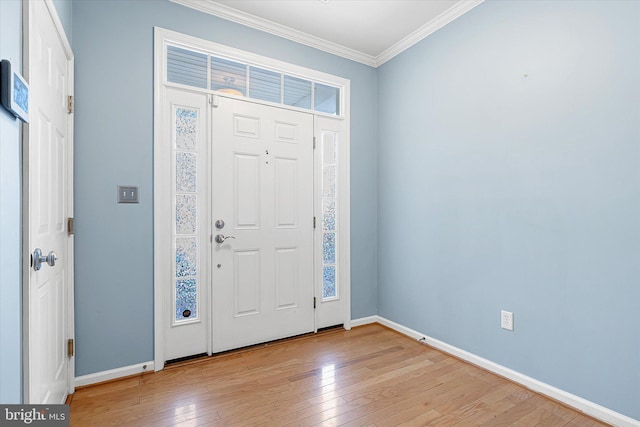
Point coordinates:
[[220, 238], [38, 259], [219, 224]]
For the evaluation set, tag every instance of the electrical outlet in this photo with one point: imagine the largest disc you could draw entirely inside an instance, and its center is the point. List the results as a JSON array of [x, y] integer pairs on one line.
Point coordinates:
[[506, 320]]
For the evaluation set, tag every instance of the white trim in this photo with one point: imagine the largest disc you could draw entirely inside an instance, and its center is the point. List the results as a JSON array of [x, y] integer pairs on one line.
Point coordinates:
[[364, 321], [113, 374], [426, 30], [252, 21], [230, 14], [590, 408]]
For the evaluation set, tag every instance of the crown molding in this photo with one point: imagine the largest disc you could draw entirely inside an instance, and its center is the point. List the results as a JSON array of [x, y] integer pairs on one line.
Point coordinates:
[[225, 12], [231, 14], [449, 15]]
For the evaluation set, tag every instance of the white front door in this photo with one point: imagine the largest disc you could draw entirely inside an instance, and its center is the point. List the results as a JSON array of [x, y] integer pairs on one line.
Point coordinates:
[[262, 191], [48, 192]]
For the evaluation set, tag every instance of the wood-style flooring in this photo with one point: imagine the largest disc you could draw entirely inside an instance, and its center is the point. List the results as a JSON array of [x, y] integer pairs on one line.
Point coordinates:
[[369, 376]]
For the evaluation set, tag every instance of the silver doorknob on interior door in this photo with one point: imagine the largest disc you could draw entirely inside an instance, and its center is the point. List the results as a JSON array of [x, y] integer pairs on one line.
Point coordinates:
[[219, 224], [38, 259], [220, 238]]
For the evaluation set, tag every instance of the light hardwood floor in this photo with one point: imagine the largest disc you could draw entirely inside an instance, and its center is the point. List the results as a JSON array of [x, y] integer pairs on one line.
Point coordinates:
[[369, 376]]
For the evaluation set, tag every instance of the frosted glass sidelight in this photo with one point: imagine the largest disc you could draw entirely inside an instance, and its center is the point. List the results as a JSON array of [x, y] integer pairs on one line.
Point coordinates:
[[297, 92], [329, 248], [326, 99], [186, 214], [186, 299], [228, 76], [329, 181], [186, 128], [186, 67], [329, 214], [329, 150], [264, 84], [185, 172], [186, 255], [329, 282]]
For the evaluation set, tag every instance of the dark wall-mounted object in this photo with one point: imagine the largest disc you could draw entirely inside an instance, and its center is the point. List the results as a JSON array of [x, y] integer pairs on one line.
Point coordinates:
[[14, 91]]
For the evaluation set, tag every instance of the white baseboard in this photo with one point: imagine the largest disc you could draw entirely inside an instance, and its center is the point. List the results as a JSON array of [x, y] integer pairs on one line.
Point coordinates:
[[365, 321], [590, 408], [113, 374]]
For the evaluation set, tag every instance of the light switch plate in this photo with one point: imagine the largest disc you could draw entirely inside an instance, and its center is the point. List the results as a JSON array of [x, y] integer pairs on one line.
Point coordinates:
[[127, 194]]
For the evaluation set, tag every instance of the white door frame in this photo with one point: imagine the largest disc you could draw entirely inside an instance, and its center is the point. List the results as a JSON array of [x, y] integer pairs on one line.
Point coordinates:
[[26, 211], [162, 171]]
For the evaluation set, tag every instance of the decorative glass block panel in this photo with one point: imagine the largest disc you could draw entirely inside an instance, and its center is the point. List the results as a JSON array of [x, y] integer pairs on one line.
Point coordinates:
[[186, 67], [329, 281], [329, 214], [185, 172], [264, 84], [329, 248], [186, 214], [329, 150], [186, 299], [297, 92], [228, 76], [326, 99], [186, 255], [186, 128], [329, 181]]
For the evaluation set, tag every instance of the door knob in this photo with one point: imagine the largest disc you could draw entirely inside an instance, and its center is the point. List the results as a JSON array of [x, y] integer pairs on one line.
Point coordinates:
[[219, 224], [220, 238], [38, 259]]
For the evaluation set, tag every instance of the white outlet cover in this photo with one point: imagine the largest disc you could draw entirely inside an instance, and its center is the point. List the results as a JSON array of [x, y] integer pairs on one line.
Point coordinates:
[[506, 320]]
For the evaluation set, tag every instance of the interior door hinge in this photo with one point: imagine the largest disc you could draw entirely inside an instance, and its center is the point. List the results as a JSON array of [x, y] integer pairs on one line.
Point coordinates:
[[314, 302], [70, 347], [314, 142], [314, 222], [213, 100], [70, 104], [70, 226]]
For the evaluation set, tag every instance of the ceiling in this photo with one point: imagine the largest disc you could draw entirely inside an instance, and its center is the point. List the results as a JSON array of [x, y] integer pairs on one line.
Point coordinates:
[[370, 32]]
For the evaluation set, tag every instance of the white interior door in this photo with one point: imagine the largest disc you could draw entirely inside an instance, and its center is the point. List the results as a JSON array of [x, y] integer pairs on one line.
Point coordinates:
[[187, 326], [49, 196], [262, 189]]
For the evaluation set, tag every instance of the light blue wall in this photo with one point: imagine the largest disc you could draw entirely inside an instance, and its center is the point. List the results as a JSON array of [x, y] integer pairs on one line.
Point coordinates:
[[10, 218], [500, 191], [65, 13], [113, 46]]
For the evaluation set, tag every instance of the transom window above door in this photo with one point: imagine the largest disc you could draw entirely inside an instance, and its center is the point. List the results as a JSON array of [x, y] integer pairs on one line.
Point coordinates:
[[205, 70]]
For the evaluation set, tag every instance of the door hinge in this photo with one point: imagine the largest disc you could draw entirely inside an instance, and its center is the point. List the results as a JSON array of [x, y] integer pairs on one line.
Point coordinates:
[[314, 302], [314, 142], [314, 222], [70, 347], [213, 100], [70, 226], [70, 104]]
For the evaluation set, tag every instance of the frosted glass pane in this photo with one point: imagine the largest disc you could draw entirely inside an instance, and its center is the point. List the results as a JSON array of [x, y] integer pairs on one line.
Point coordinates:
[[329, 214], [186, 214], [228, 76], [186, 299], [327, 99], [297, 92], [186, 128], [329, 281], [329, 149], [264, 84], [329, 248], [186, 255], [185, 172], [329, 181], [186, 67]]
